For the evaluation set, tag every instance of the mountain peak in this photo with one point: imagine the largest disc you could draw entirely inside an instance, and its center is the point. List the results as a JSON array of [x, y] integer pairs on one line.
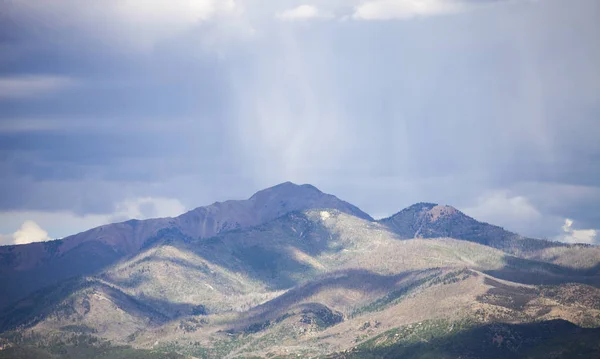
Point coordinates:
[[287, 189], [413, 219], [438, 211], [430, 211], [286, 197], [430, 220], [263, 206], [420, 206]]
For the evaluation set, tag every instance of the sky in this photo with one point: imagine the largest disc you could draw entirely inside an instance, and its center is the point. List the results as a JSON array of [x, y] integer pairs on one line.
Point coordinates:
[[111, 110]]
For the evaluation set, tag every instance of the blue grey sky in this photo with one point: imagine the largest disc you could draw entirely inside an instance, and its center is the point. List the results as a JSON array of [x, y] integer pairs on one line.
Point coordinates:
[[111, 110]]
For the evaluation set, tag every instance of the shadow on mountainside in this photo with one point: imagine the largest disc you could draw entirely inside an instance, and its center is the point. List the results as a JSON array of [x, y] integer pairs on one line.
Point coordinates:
[[550, 339], [269, 253], [134, 280], [262, 253], [527, 271], [58, 301], [17, 284], [523, 304], [78, 346], [352, 279]]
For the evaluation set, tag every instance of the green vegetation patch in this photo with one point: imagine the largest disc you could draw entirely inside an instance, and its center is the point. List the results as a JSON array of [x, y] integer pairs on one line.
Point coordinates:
[[77, 346], [466, 339]]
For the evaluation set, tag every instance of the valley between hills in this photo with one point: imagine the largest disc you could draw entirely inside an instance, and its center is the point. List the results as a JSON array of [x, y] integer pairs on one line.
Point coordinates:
[[294, 272]]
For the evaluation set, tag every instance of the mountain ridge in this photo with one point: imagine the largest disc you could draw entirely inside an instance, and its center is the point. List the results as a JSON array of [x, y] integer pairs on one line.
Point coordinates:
[[115, 241], [432, 220], [43, 263], [327, 276]]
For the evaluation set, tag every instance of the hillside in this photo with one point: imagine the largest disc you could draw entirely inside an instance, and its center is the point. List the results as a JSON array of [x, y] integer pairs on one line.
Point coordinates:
[[315, 282], [430, 220], [25, 268]]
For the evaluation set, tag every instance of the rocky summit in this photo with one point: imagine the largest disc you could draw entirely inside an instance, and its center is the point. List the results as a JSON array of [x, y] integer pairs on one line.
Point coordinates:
[[294, 272]]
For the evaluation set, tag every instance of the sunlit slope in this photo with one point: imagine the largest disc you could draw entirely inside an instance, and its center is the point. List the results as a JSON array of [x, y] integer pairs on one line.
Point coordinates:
[[311, 282], [228, 272], [26, 268], [238, 270]]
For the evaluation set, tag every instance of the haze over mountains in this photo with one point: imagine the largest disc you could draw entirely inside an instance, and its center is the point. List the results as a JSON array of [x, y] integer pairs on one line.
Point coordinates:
[[294, 271]]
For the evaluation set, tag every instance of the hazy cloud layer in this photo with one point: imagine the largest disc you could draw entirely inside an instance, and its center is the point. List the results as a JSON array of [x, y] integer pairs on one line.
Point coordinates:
[[489, 106], [31, 86]]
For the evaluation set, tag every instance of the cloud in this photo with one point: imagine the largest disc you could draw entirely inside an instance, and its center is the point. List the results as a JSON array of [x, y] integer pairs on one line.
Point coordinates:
[[288, 124], [137, 24], [465, 97], [517, 213], [32, 86], [302, 12], [405, 9], [157, 12], [28, 233], [503, 208], [147, 207], [502, 202], [64, 223], [27, 125], [572, 235]]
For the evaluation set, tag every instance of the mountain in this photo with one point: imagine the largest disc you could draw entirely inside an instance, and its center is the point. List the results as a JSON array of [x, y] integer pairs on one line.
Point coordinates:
[[292, 272], [547, 339], [430, 220], [262, 207], [26, 268]]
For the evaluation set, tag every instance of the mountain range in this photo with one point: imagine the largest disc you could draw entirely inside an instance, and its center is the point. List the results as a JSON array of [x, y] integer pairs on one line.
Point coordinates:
[[295, 272]]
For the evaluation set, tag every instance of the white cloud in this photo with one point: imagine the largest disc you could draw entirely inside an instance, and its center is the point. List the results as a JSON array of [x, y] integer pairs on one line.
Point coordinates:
[[501, 207], [502, 204], [302, 12], [572, 235], [405, 9], [31, 86], [62, 224], [518, 214], [58, 224], [29, 232]]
